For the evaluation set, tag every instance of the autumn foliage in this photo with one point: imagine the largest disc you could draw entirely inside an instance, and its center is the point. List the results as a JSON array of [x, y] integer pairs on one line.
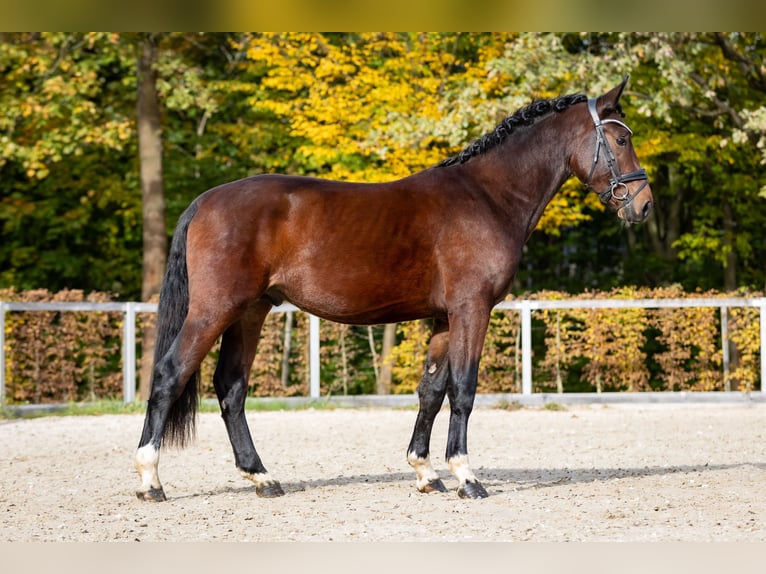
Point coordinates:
[[76, 356], [55, 357]]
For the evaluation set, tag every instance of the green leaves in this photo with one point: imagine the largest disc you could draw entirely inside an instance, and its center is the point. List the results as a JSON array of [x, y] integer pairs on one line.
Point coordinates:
[[369, 107]]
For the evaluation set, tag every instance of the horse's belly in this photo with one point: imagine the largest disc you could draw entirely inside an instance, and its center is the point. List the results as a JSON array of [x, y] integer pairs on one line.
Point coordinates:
[[360, 300]]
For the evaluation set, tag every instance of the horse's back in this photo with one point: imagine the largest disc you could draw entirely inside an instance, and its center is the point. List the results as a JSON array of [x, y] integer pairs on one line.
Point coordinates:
[[358, 253]]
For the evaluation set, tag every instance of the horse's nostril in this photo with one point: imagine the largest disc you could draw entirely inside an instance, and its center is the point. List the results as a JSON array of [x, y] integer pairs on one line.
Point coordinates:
[[646, 210]]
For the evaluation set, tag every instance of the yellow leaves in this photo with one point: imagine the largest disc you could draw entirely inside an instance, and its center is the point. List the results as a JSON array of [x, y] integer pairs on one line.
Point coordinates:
[[611, 349], [691, 337], [611, 340], [289, 57], [285, 79], [568, 208], [649, 145], [40, 173], [58, 103], [500, 369], [351, 97], [376, 106], [744, 327], [59, 357], [408, 357], [619, 345]]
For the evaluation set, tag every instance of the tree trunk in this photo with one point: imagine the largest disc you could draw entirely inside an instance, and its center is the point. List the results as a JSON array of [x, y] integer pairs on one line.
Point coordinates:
[[664, 224], [374, 353], [559, 380], [344, 360], [730, 271], [674, 213], [730, 283], [385, 379], [152, 194]]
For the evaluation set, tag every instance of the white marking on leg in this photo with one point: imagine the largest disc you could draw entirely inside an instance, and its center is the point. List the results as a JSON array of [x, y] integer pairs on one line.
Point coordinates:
[[259, 478], [147, 460], [459, 467], [432, 369], [424, 471]]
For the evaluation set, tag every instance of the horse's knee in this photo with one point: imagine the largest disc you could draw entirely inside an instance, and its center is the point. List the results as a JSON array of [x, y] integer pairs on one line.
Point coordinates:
[[462, 395], [433, 385]]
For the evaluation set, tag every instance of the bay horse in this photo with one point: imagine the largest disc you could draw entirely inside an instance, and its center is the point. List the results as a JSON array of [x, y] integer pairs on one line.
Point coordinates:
[[443, 243]]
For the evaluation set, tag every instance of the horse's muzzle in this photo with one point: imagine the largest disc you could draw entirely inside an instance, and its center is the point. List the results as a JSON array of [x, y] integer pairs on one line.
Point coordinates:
[[637, 210]]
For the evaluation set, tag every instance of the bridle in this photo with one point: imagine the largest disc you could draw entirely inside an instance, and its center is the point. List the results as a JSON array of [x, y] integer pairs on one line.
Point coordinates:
[[617, 188]]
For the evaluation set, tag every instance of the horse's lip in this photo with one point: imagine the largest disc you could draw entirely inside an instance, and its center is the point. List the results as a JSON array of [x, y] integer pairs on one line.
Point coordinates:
[[631, 216]]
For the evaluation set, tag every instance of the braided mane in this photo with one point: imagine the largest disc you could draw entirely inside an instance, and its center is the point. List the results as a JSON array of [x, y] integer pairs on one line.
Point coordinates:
[[523, 117]]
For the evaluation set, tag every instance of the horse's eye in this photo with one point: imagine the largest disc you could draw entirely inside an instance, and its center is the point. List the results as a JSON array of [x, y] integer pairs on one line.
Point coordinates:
[[621, 141]]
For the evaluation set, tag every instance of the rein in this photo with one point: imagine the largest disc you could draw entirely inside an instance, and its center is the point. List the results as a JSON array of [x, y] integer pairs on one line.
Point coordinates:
[[618, 179]]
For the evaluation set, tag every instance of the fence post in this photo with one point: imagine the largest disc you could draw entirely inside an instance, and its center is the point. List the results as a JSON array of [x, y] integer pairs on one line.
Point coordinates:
[[129, 353], [313, 357], [725, 347], [526, 348], [2, 353], [762, 307]]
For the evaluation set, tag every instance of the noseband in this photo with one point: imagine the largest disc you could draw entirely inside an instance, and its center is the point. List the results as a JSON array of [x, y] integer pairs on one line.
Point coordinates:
[[617, 188]]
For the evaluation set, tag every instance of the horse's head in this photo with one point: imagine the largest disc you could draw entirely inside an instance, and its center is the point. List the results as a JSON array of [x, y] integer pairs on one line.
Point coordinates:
[[607, 163]]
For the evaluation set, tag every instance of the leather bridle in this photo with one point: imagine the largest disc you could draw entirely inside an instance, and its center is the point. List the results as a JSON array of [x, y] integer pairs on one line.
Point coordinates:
[[617, 188]]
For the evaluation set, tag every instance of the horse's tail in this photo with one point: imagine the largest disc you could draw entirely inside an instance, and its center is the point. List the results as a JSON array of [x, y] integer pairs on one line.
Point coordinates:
[[171, 313]]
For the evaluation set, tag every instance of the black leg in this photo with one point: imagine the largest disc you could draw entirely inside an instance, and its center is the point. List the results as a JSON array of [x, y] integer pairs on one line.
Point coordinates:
[[467, 331], [431, 391], [170, 376], [231, 376]]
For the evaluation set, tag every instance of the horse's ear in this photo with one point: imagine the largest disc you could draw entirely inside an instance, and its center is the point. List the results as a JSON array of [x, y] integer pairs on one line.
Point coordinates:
[[611, 99]]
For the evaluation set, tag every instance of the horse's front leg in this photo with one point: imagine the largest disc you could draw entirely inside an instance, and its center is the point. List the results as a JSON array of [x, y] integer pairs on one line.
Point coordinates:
[[431, 391], [468, 326]]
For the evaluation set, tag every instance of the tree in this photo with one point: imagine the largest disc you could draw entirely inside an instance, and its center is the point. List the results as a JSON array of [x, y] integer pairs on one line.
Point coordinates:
[[151, 173], [696, 104], [709, 95], [67, 202], [372, 107], [385, 378], [155, 242]]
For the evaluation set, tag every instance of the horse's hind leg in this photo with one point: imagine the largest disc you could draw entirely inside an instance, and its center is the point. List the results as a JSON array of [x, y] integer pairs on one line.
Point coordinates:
[[238, 348], [170, 377], [431, 393]]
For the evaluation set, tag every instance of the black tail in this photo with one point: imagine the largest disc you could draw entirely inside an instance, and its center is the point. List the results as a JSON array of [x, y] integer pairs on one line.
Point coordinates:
[[171, 313]]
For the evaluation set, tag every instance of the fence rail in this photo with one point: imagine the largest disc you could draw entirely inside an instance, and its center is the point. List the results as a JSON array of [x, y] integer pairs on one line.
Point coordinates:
[[524, 307]]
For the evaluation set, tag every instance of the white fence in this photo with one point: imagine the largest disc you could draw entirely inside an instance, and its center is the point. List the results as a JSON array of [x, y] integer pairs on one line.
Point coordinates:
[[524, 307]]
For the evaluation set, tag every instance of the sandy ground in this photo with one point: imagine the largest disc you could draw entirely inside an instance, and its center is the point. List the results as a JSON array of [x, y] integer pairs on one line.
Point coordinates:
[[588, 473]]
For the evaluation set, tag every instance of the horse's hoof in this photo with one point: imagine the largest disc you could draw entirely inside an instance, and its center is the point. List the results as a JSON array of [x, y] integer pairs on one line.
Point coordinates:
[[269, 490], [472, 490], [435, 485], [151, 495]]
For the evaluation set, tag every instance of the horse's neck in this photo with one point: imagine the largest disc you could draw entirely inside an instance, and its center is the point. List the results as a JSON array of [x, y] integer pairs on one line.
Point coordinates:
[[523, 174]]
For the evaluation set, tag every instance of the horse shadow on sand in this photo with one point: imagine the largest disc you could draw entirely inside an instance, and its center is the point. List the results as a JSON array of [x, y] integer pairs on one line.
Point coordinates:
[[496, 480]]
